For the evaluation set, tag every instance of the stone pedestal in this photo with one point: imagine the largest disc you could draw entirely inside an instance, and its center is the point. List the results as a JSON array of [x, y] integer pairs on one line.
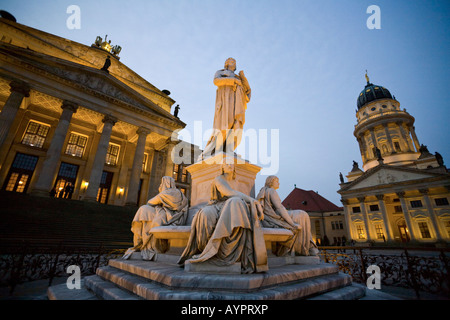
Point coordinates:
[[204, 172]]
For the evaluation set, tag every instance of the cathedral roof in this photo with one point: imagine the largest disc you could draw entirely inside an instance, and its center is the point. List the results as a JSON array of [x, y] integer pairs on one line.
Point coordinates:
[[372, 92]]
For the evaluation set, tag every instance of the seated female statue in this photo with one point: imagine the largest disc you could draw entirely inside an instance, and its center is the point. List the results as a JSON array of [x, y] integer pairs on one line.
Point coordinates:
[[276, 216], [169, 207], [227, 230]]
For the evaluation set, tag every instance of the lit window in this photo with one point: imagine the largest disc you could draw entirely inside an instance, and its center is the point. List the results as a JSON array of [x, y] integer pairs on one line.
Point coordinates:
[[379, 231], [180, 173], [424, 230], [76, 145], [35, 134], [144, 162], [360, 231], [447, 226], [112, 154]]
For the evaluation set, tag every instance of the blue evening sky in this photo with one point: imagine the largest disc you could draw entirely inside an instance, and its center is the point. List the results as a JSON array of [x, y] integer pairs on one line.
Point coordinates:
[[305, 61]]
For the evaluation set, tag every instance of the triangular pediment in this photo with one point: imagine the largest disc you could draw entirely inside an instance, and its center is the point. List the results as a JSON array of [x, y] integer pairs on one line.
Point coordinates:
[[91, 80], [386, 175], [52, 45]]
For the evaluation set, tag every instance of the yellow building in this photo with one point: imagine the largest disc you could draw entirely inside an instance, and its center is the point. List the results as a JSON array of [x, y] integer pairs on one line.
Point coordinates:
[[74, 114], [401, 194]]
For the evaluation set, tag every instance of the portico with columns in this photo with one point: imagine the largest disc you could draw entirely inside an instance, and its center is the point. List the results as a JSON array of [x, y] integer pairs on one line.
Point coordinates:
[[65, 121]]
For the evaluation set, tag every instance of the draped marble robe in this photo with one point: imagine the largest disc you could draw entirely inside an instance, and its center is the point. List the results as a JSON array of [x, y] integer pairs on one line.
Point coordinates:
[[301, 244], [232, 95], [169, 207], [227, 230]]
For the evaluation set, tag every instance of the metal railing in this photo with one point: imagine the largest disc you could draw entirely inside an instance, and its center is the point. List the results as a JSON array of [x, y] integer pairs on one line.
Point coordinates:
[[28, 263], [421, 269]]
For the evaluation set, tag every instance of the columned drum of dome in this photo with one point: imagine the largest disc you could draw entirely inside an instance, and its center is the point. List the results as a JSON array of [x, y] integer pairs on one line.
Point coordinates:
[[383, 130]]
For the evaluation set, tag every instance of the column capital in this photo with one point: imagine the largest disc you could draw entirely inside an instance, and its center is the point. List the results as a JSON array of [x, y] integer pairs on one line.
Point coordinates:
[[20, 86], [72, 106], [143, 131], [424, 191], [344, 201], [171, 143], [380, 197], [401, 194], [361, 199], [109, 119]]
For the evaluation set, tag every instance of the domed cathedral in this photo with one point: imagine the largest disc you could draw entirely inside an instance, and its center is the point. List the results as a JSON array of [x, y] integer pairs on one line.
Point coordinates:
[[385, 131], [401, 194]]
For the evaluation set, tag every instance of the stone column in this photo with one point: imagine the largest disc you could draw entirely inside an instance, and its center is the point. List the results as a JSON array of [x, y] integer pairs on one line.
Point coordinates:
[[404, 137], [362, 149], [412, 129], [133, 186], [365, 217], [388, 137], [434, 221], [374, 140], [19, 90], [50, 165], [405, 210], [99, 160], [169, 159], [347, 219], [387, 225]]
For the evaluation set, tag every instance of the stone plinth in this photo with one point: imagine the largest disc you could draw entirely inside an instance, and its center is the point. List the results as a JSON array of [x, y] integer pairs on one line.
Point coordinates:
[[158, 280], [204, 172]]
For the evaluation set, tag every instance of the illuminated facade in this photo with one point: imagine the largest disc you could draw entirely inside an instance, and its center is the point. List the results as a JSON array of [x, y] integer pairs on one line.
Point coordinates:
[[401, 194], [76, 122]]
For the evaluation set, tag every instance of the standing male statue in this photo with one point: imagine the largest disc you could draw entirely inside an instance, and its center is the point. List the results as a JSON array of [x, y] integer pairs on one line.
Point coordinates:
[[233, 94]]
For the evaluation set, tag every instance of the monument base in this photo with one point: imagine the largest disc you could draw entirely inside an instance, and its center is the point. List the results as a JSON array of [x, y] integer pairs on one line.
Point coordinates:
[[135, 279], [205, 171]]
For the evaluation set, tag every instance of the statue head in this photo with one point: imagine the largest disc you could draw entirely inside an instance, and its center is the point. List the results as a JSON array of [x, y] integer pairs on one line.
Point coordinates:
[[230, 64], [228, 168], [272, 182], [166, 183]]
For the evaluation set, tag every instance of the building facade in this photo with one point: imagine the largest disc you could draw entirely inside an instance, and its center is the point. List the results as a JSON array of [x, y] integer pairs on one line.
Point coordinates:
[[402, 192], [76, 122], [328, 225]]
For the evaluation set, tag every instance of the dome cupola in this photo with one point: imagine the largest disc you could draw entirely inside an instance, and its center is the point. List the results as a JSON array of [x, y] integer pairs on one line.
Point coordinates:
[[372, 92]]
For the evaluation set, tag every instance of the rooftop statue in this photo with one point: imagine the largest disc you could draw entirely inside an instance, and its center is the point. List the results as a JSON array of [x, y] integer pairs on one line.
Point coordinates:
[[232, 95]]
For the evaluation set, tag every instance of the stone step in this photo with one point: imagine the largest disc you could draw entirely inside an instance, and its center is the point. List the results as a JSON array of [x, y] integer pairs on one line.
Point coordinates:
[[176, 277], [351, 292], [151, 290], [106, 290], [61, 292]]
